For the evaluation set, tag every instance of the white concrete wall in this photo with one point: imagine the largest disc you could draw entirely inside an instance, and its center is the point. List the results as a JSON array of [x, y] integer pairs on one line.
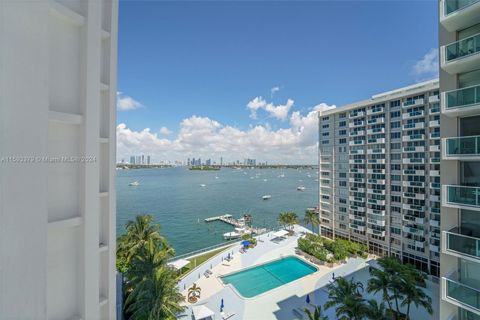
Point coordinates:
[[57, 220]]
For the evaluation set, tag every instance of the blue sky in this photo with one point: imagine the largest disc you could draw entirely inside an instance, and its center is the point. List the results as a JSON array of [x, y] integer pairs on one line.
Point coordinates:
[[210, 59]]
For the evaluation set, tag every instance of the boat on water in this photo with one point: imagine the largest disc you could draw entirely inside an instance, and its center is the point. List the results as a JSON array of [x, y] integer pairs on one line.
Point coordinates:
[[266, 197], [301, 188], [231, 235], [134, 184], [265, 180], [281, 175], [203, 185]]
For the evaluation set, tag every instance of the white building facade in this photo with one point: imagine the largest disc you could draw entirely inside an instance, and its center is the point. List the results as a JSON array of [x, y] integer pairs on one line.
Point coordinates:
[[459, 40], [379, 174], [58, 64]]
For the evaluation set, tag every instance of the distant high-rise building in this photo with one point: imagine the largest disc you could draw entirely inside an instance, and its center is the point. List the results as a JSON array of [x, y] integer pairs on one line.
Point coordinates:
[[459, 52], [221, 161], [208, 162], [379, 174], [148, 159], [132, 159], [143, 159]]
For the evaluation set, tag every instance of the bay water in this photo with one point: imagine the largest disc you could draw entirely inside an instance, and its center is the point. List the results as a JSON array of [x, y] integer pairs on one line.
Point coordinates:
[[180, 199]]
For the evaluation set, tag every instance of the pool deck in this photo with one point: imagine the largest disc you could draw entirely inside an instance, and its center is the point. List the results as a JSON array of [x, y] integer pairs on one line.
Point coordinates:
[[277, 303]]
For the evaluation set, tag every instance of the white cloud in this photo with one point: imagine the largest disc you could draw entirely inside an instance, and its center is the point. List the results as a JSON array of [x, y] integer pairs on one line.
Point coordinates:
[[428, 65], [207, 138], [126, 103], [165, 131], [274, 90], [279, 112]]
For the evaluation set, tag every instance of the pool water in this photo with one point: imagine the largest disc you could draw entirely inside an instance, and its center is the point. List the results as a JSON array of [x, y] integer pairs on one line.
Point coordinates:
[[254, 281]]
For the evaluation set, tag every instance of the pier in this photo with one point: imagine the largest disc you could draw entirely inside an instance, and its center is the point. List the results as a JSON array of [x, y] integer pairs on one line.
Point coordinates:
[[238, 223]]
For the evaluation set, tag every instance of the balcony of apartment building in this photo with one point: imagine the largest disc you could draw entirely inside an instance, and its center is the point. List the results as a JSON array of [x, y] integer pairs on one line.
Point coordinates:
[[434, 148], [355, 226], [376, 171], [418, 184], [434, 123], [376, 232], [412, 114], [356, 142], [376, 151], [380, 202], [357, 218], [461, 102], [376, 191], [414, 172], [377, 221], [461, 56], [378, 130], [414, 125], [414, 195], [462, 288], [375, 110], [461, 148], [435, 134], [356, 114], [434, 98], [413, 137], [376, 120], [356, 123], [376, 140], [357, 208], [459, 14], [357, 170], [414, 149], [413, 102], [413, 160], [358, 151], [461, 197], [354, 133]]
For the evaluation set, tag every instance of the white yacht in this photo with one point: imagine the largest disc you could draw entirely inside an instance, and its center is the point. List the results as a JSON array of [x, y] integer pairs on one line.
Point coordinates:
[[266, 197], [301, 188], [231, 235], [203, 185], [134, 184]]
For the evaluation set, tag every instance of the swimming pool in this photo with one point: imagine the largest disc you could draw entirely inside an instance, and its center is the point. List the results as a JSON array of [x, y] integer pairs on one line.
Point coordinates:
[[256, 280]]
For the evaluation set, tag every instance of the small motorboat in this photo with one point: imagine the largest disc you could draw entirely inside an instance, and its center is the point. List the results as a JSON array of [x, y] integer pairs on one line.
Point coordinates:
[[203, 185], [134, 184], [266, 197], [231, 235], [301, 188]]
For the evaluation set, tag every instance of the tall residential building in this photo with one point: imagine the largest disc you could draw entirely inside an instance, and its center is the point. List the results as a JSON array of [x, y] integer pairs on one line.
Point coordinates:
[[132, 159], [57, 159], [379, 174], [148, 160], [459, 39]]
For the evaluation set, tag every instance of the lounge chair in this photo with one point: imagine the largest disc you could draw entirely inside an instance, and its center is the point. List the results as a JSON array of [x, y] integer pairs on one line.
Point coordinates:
[[206, 274], [227, 315]]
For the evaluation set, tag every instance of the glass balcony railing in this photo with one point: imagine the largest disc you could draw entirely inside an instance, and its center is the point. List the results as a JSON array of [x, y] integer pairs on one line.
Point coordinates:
[[463, 146], [463, 196], [462, 243], [462, 293], [462, 98], [462, 48], [455, 5]]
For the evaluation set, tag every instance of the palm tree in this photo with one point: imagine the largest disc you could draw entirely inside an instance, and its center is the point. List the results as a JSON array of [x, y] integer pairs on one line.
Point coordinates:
[[397, 279], [312, 218], [376, 311], [194, 291], [317, 314], [412, 293], [380, 282], [152, 285], [346, 296], [138, 233], [283, 219]]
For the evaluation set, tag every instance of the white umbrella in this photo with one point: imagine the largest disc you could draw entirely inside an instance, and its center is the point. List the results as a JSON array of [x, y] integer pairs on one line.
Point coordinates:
[[202, 312]]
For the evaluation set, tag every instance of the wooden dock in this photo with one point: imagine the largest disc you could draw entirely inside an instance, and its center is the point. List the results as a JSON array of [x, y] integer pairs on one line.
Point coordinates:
[[229, 219]]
